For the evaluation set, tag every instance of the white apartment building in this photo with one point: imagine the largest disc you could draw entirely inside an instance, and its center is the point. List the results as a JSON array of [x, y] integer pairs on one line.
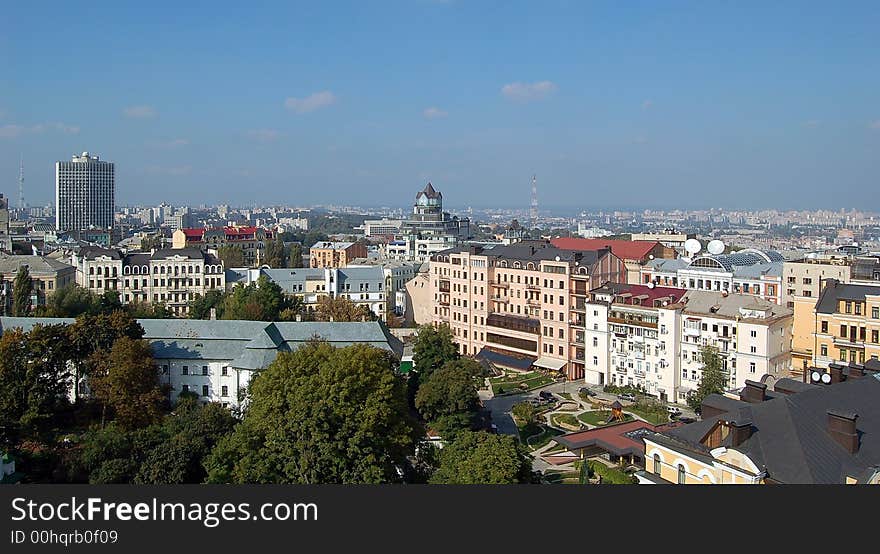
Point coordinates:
[[85, 189], [651, 337], [362, 285], [172, 277]]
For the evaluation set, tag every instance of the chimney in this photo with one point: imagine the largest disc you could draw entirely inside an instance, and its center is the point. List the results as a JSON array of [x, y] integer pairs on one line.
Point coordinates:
[[842, 428], [299, 317], [836, 372], [740, 431], [754, 392]]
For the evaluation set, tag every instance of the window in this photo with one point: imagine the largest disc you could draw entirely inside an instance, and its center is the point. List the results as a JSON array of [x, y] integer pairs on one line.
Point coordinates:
[[657, 464], [858, 308], [823, 350], [751, 367], [681, 475], [595, 360], [848, 307], [559, 350], [753, 349], [224, 391], [875, 312], [204, 390], [184, 388], [185, 370], [595, 342], [824, 326], [753, 334]]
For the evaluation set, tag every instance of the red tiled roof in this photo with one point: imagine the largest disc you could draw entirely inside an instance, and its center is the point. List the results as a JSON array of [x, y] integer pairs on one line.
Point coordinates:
[[193, 233], [624, 249], [613, 438], [652, 294]]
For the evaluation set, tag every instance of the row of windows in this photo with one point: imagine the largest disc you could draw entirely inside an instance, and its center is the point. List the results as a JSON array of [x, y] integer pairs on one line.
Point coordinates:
[[184, 370]]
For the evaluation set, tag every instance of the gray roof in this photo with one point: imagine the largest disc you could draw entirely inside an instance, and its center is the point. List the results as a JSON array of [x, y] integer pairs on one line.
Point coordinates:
[[712, 303], [835, 291], [790, 438], [192, 252], [247, 344], [37, 265]]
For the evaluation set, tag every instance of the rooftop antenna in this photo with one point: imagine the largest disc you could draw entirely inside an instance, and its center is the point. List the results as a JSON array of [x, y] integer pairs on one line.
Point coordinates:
[[533, 212], [21, 184]]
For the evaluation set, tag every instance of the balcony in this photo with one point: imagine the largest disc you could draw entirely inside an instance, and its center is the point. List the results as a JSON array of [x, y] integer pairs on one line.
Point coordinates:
[[849, 342], [691, 332], [501, 285], [443, 302], [578, 291], [533, 302], [504, 299], [533, 287]]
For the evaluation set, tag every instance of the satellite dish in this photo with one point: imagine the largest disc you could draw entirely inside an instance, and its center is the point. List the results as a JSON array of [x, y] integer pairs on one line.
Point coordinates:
[[826, 378], [692, 246], [650, 256], [557, 258], [815, 376], [715, 247], [651, 285]]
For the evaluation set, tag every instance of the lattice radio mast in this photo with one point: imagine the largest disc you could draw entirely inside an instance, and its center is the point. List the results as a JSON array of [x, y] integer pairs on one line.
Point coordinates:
[[21, 184], [533, 212]]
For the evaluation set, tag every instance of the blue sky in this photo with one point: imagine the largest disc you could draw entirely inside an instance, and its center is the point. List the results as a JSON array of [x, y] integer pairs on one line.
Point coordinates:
[[611, 104]]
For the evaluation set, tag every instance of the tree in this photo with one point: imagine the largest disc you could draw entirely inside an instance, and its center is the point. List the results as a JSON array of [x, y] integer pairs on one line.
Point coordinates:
[[320, 415], [525, 412], [341, 308], [275, 253], [93, 333], [34, 377], [231, 255], [200, 306], [434, 346], [448, 391], [260, 301], [125, 379], [69, 301], [22, 288], [295, 256], [713, 380], [150, 242], [109, 302], [477, 457]]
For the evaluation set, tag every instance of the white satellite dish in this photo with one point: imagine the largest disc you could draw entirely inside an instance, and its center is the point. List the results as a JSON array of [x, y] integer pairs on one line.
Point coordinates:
[[826, 378], [692, 246], [715, 247], [815, 376], [651, 285]]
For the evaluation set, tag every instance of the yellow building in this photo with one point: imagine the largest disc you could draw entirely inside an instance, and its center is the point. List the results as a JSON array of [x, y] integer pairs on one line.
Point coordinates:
[[846, 324], [797, 434]]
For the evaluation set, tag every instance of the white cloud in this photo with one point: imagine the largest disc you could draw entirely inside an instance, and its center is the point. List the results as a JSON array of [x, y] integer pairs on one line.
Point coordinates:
[[434, 113], [310, 103], [874, 124], [647, 104], [524, 92], [140, 112], [13, 131], [263, 135]]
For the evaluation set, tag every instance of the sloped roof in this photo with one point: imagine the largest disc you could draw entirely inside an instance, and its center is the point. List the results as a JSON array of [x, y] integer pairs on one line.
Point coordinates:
[[624, 249], [429, 192], [835, 291]]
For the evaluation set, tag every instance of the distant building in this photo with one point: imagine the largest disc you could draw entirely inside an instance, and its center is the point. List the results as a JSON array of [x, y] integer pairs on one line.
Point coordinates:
[[251, 240], [362, 285], [420, 306], [428, 230], [335, 254], [217, 359], [846, 324], [635, 254], [5, 238], [382, 227], [172, 277], [47, 276], [796, 433], [85, 190], [667, 237], [749, 271]]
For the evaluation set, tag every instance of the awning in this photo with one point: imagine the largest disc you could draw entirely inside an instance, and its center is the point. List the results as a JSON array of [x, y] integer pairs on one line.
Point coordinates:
[[550, 363]]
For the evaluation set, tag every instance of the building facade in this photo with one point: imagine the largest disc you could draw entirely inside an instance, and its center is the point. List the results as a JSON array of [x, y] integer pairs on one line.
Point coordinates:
[[521, 300], [251, 240], [428, 230], [47, 276], [171, 277], [635, 254], [754, 272], [85, 193], [335, 254], [5, 237], [846, 324]]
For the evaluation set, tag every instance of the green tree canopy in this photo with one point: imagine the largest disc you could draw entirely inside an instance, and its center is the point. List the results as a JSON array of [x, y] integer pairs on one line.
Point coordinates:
[[231, 255], [22, 288], [125, 379], [341, 308], [434, 346], [275, 257], [713, 380], [69, 301], [200, 306], [525, 412], [450, 390], [320, 415], [295, 256], [477, 457]]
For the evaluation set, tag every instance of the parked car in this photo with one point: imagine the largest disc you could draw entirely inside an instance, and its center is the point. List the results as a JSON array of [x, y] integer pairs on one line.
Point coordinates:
[[686, 419], [673, 410], [546, 395], [586, 391], [627, 396]]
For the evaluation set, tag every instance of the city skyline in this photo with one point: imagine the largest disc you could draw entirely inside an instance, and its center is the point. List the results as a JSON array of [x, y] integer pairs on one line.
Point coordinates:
[[288, 104]]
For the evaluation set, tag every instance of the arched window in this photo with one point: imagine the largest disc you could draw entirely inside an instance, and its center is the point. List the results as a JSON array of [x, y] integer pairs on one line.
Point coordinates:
[[657, 464], [681, 475]]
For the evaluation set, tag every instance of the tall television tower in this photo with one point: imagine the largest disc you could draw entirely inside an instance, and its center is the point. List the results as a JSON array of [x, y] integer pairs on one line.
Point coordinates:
[[21, 185], [533, 212]]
